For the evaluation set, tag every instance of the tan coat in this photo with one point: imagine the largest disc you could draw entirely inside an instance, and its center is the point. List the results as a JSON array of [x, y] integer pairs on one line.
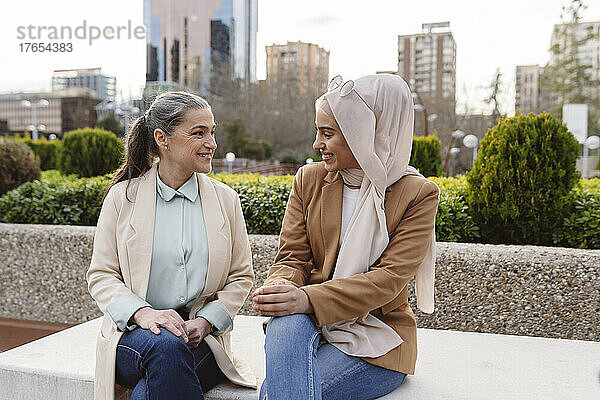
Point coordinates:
[[121, 265], [308, 251]]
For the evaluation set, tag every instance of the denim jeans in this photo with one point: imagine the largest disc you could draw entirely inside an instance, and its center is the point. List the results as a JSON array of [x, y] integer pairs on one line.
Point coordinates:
[[298, 368], [163, 367]]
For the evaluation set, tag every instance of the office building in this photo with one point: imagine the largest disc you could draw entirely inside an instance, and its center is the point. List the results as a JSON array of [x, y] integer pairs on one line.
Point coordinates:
[[297, 67], [66, 110], [105, 86], [192, 42]]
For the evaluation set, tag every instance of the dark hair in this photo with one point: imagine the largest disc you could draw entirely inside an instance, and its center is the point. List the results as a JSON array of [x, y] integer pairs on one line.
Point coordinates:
[[165, 113]]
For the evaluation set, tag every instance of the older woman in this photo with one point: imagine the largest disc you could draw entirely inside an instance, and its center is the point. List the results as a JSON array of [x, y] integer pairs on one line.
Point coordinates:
[[357, 228], [171, 264]]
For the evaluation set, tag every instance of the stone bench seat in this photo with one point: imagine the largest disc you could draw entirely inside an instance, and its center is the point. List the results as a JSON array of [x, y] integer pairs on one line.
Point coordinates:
[[452, 365]]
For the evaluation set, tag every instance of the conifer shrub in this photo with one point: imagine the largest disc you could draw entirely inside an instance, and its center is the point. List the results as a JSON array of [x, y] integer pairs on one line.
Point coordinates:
[[426, 156], [90, 152], [519, 188]]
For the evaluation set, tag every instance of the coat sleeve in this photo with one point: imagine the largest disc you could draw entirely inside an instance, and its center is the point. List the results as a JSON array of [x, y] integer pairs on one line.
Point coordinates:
[[294, 259], [105, 282], [346, 298], [241, 276]]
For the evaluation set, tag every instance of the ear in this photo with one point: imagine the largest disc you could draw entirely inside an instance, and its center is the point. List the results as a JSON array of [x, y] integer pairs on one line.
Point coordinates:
[[160, 138]]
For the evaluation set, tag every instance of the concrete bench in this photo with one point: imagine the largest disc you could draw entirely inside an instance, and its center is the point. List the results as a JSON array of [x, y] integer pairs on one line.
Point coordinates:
[[452, 365]]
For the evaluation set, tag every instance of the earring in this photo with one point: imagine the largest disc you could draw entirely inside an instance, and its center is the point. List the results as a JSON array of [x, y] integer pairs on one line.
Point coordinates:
[[165, 147]]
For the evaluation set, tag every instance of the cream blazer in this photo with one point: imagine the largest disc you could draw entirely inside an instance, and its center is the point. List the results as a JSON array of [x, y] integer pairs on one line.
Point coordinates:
[[121, 265]]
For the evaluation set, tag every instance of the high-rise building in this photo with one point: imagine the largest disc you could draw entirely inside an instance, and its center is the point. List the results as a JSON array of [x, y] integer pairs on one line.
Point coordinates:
[[91, 78], [528, 90], [66, 110], [192, 42], [427, 62], [297, 67], [588, 54]]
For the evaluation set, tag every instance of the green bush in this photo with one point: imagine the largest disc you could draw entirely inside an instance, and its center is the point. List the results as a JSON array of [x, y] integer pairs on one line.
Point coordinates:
[[263, 199], [56, 199], [426, 156], [520, 184], [90, 152], [46, 151], [453, 223], [59, 199], [17, 165]]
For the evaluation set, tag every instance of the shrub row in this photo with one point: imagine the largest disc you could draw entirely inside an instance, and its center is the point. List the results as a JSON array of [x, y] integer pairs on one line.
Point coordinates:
[[58, 199], [84, 152]]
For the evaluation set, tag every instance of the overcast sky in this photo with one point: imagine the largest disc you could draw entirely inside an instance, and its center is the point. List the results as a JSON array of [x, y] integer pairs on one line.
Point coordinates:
[[361, 36]]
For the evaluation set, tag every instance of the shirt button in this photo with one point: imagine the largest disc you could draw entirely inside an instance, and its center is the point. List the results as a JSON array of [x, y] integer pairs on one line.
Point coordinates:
[[182, 299], [182, 266]]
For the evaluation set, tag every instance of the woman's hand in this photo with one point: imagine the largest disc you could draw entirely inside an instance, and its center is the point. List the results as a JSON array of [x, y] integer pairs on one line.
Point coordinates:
[[149, 318], [281, 299], [197, 329]]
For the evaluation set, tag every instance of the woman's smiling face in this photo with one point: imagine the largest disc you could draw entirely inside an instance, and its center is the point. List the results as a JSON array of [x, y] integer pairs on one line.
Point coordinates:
[[331, 143], [192, 145]]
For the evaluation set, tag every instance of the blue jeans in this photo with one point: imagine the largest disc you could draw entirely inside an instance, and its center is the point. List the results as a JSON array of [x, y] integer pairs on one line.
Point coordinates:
[[298, 368], [163, 367]]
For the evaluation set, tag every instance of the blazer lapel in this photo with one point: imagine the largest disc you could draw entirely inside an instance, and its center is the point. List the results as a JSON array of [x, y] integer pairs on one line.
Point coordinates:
[[331, 219], [139, 246], [219, 244]]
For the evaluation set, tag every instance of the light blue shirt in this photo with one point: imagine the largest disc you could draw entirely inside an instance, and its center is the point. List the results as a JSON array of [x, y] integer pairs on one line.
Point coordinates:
[[179, 260]]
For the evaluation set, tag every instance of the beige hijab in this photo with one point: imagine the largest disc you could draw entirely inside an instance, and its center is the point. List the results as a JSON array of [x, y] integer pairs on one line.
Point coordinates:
[[376, 116]]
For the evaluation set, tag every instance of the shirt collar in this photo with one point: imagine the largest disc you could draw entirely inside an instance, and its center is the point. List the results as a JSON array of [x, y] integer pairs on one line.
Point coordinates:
[[189, 189]]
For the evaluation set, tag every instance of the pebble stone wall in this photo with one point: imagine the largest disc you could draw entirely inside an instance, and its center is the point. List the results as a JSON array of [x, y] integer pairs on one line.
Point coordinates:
[[521, 290]]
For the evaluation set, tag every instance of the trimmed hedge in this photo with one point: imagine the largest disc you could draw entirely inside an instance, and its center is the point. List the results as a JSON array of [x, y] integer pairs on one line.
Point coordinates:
[[46, 151], [58, 199], [90, 152], [519, 188], [426, 156]]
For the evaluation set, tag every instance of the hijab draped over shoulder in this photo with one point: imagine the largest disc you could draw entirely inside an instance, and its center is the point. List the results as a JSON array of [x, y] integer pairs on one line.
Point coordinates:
[[376, 117]]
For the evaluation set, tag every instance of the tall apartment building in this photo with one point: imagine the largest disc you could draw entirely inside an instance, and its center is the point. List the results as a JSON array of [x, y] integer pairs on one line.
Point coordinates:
[[588, 54], [297, 67], [67, 109], [528, 90], [193, 42], [529, 94], [427, 62], [105, 86]]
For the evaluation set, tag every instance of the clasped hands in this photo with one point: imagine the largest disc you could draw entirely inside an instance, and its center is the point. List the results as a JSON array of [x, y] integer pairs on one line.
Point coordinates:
[[192, 331], [279, 299]]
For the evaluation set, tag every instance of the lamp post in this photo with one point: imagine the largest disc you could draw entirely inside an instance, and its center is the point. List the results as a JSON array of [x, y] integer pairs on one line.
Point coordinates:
[[457, 134], [309, 161], [230, 158], [419, 106], [34, 107], [472, 142], [591, 143]]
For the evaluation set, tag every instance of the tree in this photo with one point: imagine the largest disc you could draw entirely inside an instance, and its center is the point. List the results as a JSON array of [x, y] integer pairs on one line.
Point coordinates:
[[567, 77], [112, 124], [495, 88]]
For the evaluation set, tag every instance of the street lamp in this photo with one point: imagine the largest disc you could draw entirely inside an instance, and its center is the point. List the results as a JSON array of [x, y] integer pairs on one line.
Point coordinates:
[[309, 161], [456, 135], [471, 142], [419, 106], [230, 158], [34, 106], [591, 143]]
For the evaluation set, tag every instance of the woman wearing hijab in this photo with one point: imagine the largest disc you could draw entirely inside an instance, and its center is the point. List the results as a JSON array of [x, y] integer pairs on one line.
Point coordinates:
[[357, 228], [171, 264]]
